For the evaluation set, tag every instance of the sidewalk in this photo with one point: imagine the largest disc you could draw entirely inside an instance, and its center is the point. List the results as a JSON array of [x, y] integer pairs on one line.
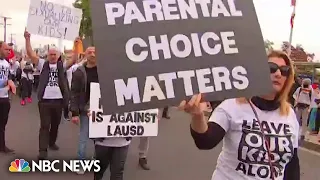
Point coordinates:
[[311, 142]]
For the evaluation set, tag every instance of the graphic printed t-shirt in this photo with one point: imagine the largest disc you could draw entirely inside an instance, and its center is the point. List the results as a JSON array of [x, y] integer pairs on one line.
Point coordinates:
[[244, 156], [4, 77], [14, 67], [52, 90]]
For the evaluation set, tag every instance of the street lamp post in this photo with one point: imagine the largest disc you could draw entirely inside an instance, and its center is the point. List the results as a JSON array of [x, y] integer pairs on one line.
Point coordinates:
[[5, 24]]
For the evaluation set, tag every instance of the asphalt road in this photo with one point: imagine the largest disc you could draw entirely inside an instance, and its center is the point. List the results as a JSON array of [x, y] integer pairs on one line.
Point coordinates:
[[172, 154]]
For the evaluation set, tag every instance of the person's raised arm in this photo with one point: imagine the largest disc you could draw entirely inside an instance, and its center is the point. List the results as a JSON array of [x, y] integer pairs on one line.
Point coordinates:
[[75, 54], [32, 55]]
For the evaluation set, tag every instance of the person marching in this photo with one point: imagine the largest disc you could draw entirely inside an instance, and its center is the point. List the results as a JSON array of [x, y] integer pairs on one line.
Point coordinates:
[[14, 67], [265, 124], [80, 97], [77, 51], [109, 151], [26, 81], [303, 99], [53, 95], [5, 85]]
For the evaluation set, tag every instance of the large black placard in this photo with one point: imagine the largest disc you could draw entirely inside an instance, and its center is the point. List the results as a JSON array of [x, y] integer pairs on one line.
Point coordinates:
[[154, 53]]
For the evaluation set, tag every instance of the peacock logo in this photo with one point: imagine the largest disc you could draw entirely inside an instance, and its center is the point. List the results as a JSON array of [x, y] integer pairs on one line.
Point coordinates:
[[19, 165]]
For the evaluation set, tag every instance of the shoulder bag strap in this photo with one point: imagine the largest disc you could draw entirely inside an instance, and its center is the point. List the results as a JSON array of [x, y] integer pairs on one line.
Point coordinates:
[[296, 101], [265, 140]]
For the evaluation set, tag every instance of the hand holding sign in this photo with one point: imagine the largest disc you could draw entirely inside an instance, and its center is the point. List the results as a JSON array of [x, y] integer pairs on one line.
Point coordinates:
[[27, 35], [194, 107]]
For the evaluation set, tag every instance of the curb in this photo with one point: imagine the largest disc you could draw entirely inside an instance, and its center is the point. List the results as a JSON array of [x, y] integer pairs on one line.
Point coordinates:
[[310, 146]]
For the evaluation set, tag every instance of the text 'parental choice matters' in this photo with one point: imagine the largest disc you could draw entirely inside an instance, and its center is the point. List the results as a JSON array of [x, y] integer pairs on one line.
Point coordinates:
[[155, 53]]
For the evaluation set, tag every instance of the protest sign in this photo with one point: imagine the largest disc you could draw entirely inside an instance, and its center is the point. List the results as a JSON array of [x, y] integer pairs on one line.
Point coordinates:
[[132, 124], [156, 53], [53, 20]]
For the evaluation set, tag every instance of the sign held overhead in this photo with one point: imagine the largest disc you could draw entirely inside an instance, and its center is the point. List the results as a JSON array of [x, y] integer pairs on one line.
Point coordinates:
[[53, 20]]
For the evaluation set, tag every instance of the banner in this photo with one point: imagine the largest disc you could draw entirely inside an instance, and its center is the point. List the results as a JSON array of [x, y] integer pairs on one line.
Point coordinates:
[[132, 124], [157, 53], [54, 20]]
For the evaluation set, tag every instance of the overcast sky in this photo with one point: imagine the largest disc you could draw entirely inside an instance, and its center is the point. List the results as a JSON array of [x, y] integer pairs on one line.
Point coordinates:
[[274, 18]]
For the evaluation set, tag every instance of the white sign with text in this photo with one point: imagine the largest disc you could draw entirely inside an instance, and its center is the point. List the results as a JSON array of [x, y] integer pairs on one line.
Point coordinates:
[[132, 124], [53, 20]]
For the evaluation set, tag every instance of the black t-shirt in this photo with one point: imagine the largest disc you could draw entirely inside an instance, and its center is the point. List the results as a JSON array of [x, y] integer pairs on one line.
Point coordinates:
[[92, 76]]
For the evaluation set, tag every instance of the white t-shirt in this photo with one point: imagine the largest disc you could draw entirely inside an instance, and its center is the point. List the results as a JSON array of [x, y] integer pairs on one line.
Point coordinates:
[[52, 90], [302, 96], [23, 74], [14, 67], [243, 155], [114, 142], [4, 76], [70, 71]]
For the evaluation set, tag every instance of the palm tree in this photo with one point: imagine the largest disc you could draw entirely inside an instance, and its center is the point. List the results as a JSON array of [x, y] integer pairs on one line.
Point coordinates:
[[311, 56], [300, 47], [86, 24], [285, 46], [268, 45]]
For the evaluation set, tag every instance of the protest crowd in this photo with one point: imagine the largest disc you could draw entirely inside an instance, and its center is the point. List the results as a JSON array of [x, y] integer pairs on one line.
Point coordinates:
[[260, 133]]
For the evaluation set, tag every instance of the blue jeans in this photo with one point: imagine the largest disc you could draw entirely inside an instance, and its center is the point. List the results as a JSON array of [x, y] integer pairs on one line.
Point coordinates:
[[83, 137]]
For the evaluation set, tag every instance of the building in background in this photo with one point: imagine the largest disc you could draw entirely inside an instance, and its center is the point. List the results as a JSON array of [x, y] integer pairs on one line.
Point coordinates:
[[297, 53]]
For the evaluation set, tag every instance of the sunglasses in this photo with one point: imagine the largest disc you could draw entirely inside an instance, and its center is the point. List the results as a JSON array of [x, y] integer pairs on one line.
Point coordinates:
[[285, 70]]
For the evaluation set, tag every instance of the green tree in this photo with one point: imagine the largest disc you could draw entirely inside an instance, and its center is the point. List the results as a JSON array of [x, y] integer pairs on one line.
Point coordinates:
[[86, 23]]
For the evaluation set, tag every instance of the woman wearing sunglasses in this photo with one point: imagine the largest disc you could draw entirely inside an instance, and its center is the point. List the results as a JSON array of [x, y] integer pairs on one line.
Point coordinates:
[[259, 134]]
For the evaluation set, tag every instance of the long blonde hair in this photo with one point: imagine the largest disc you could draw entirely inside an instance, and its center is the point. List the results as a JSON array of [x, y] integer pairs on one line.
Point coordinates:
[[283, 95]]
